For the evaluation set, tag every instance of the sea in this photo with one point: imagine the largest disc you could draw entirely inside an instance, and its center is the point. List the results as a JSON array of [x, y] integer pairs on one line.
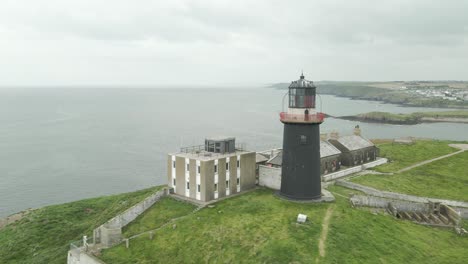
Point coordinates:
[[64, 144]]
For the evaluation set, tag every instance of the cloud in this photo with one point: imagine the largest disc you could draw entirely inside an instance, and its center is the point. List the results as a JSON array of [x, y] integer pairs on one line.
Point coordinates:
[[222, 41]]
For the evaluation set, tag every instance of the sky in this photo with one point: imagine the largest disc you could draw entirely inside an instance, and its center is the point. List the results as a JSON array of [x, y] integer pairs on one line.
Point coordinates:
[[223, 42]]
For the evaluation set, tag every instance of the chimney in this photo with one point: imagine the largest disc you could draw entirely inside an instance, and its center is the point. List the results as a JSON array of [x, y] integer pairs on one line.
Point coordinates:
[[357, 130], [334, 135], [323, 136]]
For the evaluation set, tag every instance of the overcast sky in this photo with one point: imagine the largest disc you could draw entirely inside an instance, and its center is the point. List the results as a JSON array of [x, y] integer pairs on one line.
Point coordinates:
[[142, 42]]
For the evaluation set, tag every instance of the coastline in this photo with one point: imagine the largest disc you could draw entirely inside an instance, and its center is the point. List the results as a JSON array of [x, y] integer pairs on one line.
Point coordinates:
[[396, 122]]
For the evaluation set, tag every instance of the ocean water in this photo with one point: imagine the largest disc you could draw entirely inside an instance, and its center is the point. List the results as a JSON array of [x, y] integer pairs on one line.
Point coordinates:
[[59, 145]]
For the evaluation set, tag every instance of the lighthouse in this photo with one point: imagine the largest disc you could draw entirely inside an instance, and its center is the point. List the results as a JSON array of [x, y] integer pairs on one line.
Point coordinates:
[[300, 172]]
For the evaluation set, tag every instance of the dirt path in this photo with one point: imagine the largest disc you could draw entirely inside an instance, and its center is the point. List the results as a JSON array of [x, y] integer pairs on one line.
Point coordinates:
[[323, 236], [429, 161]]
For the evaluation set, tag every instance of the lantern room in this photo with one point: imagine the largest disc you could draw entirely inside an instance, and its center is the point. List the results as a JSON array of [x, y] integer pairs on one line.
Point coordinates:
[[302, 94], [301, 103]]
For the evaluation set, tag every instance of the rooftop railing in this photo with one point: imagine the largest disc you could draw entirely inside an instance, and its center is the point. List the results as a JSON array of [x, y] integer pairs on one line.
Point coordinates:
[[302, 118], [211, 149]]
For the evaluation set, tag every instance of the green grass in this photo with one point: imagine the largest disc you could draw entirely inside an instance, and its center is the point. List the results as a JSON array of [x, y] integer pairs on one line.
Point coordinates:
[[401, 156], [43, 236], [257, 227], [446, 178], [254, 227], [360, 236], [159, 214]]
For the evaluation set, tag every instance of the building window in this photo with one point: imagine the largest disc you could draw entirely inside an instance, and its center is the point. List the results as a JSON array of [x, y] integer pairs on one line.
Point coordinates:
[[227, 184], [198, 169], [216, 168], [187, 167], [238, 163], [198, 187], [188, 185], [227, 166], [173, 164], [215, 187], [303, 139], [173, 181], [238, 181]]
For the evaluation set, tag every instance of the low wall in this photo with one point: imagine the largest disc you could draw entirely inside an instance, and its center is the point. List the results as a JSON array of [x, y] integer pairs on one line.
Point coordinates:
[[110, 233], [459, 206], [81, 257], [349, 171], [381, 202], [269, 177]]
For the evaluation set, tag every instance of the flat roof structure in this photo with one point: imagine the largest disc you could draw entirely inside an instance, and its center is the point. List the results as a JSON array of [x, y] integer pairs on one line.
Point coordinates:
[[206, 155]]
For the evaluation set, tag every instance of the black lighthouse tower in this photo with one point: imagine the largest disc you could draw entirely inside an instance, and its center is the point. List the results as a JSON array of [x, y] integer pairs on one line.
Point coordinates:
[[300, 179]]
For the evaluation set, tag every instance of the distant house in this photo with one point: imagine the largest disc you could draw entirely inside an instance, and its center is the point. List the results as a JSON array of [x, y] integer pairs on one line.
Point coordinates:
[[329, 158], [355, 149], [211, 171], [336, 152]]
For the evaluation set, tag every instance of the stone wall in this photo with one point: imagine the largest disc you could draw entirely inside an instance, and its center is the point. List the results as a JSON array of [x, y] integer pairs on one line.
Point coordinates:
[[459, 206], [349, 171], [381, 202], [81, 257], [110, 233], [269, 177]]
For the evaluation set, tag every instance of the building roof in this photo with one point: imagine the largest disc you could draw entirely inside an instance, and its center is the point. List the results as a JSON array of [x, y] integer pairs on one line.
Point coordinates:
[[327, 149], [277, 159], [260, 158], [302, 83], [220, 138], [205, 155], [354, 142]]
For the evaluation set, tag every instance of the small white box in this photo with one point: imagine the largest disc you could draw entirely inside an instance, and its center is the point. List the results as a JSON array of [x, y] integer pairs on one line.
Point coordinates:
[[301, 218]]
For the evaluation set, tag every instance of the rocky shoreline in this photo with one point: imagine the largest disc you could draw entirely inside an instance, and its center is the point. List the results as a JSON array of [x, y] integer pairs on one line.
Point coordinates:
[[415, 121]]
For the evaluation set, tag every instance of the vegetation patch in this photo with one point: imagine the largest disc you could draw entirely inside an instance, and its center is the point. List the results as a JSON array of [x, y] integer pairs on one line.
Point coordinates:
[[446, 179], [258, 227], [403, 155], [160, 213], [43, 236], [254, 227], [371, 236]]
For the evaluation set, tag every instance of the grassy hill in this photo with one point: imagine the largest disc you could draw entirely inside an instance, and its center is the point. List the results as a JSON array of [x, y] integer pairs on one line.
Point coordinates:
[[258, 227], [43, 236], [446, 178], [401, 155], [388, 92], [412, 118]]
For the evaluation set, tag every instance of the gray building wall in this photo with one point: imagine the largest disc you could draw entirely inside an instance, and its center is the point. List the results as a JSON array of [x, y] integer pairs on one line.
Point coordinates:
[[247, 173], [329, 160], [221, 178], [180, 176], [269, 177], [247, 170], [193, 178], [169, 170], [233, 174], [207, 180]]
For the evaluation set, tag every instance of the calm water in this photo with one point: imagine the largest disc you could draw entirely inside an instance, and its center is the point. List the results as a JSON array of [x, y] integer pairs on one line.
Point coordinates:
[[59, 145]]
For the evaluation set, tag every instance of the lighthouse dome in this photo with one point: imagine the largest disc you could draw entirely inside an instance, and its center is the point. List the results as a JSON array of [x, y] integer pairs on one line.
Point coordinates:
[[302, 83]]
